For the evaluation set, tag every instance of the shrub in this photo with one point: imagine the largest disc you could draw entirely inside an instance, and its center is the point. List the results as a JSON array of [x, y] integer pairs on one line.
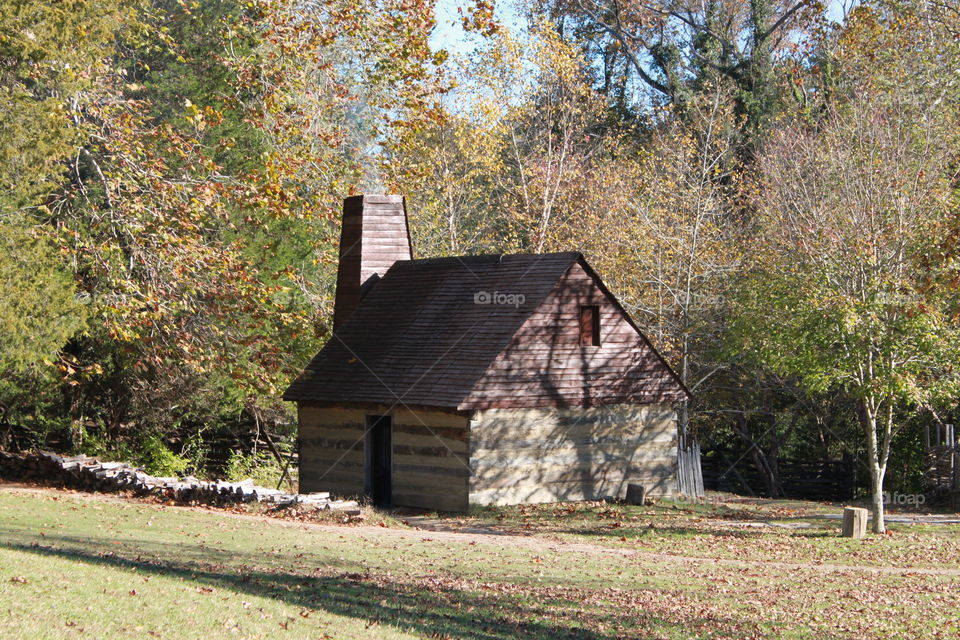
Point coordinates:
[[260, 467], [157, 459]]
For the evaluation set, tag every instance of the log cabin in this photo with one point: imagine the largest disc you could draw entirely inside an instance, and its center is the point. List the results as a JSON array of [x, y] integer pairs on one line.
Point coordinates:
[[473, 380]]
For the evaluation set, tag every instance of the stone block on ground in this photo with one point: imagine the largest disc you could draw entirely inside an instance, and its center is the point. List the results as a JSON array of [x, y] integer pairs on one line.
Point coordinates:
[[636, 493], [854, 522]]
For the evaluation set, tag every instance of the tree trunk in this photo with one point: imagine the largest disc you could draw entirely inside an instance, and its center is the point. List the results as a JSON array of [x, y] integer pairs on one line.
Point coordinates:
[[876, 497], [683, 419], [868, 417]]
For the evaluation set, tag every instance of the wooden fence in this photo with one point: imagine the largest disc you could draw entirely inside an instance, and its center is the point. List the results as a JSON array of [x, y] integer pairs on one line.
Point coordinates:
[[942, 475], [802, 479], [689, 473]]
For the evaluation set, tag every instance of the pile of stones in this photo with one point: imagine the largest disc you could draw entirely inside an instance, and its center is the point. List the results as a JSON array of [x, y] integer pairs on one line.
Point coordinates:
[[91, 474]]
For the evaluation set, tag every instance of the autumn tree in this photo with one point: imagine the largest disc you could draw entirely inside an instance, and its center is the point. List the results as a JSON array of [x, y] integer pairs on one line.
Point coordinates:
[[520, 148], [195, 199], [529, 155], [669, 247], [450, 172], [837, 296]]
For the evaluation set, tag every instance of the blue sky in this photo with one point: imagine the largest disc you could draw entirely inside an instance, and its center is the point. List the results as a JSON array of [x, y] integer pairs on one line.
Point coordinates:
[[448, 34]]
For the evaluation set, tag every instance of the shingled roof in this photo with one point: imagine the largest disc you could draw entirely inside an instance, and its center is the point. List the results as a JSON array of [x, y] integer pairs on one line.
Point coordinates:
[[433, 333]]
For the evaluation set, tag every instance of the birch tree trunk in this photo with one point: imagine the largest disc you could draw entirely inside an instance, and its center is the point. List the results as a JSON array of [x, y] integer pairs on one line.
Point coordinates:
[[878, 467]]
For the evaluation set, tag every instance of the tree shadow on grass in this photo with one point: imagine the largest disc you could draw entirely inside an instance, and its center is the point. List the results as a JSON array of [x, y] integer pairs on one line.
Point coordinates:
[[430, 606], [662, 532]]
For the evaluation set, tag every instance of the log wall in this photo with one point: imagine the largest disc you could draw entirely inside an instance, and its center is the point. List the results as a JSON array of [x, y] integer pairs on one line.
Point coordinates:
[[430, 449], [430, 459], [443, 460], [545, 455]]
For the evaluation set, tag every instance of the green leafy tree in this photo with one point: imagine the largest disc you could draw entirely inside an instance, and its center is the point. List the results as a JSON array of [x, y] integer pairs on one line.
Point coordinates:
[[38, 309], [668, 52], [52, 53], [201, 206], [838, 295]]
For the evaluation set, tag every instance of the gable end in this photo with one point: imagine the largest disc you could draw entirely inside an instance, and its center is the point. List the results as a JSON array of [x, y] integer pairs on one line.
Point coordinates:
[[545, 364]]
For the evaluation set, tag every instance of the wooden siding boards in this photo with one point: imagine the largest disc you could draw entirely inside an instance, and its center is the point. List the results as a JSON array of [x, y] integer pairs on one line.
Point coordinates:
[[546, 364]]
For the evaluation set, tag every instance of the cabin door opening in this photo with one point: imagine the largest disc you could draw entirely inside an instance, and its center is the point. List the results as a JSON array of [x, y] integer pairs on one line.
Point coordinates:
[[380, 460]]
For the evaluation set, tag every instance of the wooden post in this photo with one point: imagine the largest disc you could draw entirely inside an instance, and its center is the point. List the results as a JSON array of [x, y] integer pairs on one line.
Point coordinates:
[[854, 522], [699, 491], [636, 493], [683, 477], [954, 463]]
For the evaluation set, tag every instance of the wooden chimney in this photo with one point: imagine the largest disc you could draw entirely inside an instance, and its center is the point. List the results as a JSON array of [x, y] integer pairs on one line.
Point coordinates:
[[373, 237]]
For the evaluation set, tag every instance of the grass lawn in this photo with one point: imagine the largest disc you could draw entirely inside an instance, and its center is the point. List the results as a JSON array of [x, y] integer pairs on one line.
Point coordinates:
[[762, 530], [75, 566]]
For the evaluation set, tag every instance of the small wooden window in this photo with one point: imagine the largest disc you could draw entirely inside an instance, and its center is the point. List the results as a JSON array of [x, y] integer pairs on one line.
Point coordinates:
[[590, 326]]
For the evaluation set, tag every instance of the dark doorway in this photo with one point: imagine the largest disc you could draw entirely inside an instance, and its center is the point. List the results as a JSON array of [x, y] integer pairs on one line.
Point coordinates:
[[380, 459]]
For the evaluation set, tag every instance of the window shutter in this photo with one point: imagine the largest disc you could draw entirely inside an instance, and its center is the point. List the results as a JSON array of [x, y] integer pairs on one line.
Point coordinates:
[[590, 326]]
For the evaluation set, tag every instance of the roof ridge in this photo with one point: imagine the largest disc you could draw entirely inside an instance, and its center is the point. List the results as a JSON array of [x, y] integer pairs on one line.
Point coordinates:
[[491, 257]]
